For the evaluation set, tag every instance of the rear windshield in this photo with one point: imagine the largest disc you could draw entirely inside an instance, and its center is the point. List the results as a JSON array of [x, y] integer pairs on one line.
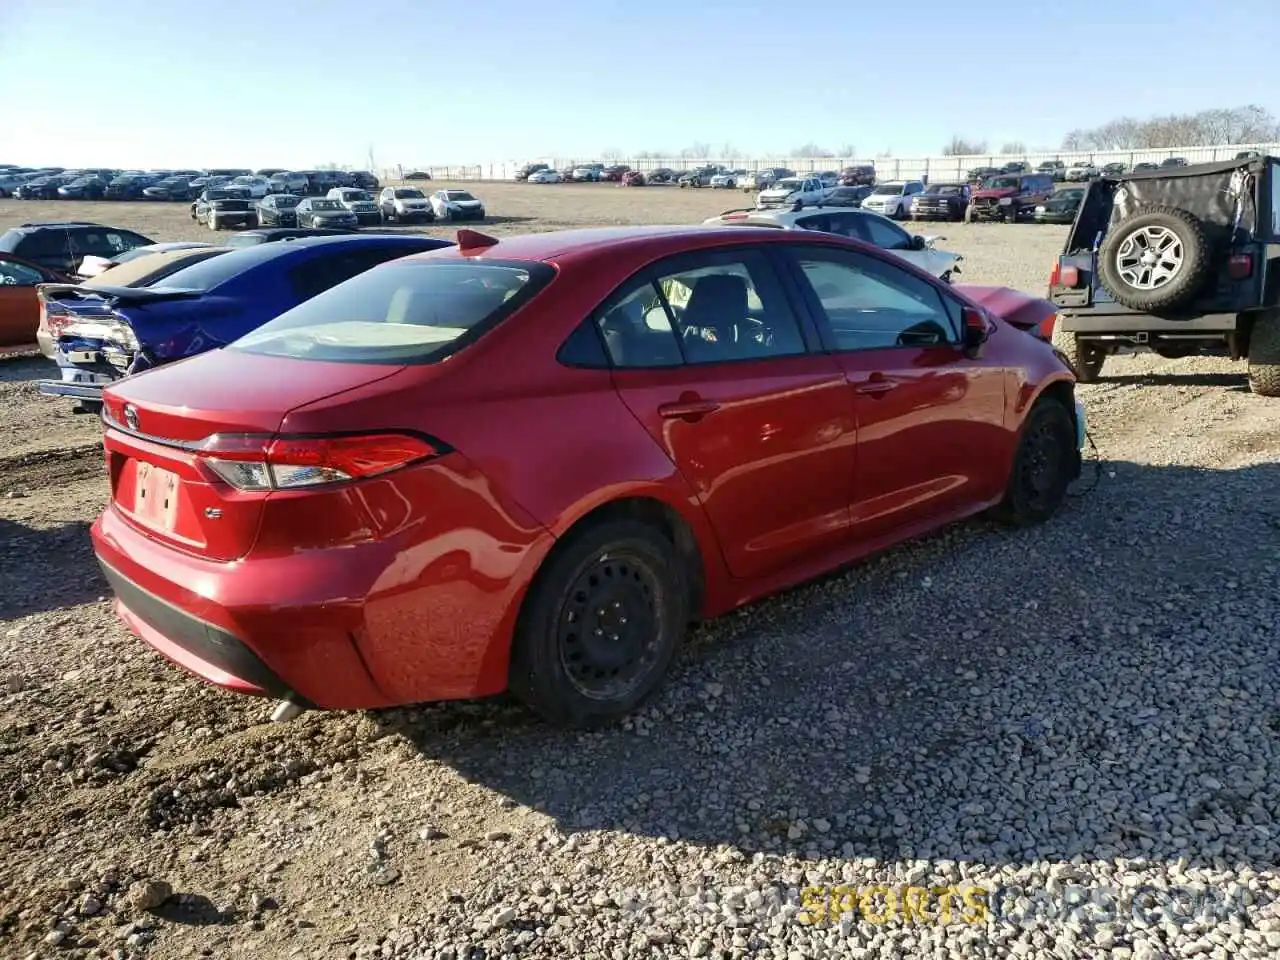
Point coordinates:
[[414, 312], [207, 274]]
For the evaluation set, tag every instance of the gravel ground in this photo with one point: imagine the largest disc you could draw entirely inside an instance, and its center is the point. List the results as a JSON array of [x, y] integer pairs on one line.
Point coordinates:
[[1060, 742]]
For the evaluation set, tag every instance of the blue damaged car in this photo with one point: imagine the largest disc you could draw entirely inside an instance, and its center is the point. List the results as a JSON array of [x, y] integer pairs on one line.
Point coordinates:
[[129, 329]]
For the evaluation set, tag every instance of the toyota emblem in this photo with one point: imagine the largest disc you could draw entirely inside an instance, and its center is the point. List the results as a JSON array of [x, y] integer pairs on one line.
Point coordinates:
[[131, 416]]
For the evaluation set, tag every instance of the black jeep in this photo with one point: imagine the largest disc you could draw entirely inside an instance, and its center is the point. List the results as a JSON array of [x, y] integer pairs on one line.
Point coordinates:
[[1181, 261]]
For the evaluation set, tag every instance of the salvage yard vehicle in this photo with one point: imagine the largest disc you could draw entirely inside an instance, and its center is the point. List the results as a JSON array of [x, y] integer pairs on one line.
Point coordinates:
[[941, 201], [1009, 197], [20, 302], [221, 207], [701, 177], [457, 205], [409, 204], [170, 188], [893, 198], [1180, 261], [859, 175], [545, 175], [279, 210], [346, 509], [207, 304], [846, 196], [91, 266], [357, 201], [1081, 171], [323, 212], [81, 367], [61, 244], [1055, 168], [873, 228], [792, 192], [252, 238], [1061, 206]]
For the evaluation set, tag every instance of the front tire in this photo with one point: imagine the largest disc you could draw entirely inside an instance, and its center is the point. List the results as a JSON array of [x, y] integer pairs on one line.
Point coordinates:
[[1086, 359], [1264, 355], [601, 625], [1042, 466], [213, 223]]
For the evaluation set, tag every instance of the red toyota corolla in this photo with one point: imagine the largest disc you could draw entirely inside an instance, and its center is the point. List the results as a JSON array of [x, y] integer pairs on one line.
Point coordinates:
[[527, 464]]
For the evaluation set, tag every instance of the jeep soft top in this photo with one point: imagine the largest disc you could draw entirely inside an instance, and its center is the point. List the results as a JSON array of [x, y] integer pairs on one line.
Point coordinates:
[[1181, 261]]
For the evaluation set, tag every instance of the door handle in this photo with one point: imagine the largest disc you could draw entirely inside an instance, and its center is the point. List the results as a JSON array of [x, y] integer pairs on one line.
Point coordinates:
[[876, 386], [690, 410]]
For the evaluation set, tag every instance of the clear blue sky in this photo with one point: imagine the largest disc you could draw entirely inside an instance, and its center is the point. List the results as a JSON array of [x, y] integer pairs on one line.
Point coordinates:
[[157, 83]]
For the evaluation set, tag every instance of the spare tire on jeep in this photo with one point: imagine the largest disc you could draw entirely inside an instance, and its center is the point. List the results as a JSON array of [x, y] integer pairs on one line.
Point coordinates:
[[1157, 259]]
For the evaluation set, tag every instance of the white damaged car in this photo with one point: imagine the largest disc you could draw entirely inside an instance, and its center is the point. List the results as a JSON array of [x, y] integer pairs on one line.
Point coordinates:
[[456, 205], [793, 192], [873, 228]]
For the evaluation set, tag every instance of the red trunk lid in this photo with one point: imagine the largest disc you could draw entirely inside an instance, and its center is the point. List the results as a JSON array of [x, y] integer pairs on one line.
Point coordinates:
[[157, 418]]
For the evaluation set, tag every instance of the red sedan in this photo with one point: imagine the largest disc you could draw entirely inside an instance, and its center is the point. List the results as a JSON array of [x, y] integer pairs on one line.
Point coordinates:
[[529, 463]]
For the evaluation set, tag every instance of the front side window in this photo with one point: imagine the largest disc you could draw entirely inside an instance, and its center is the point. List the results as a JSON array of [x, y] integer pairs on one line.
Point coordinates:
[[399, 313], [710, 308], [885, 233], [871, 305]]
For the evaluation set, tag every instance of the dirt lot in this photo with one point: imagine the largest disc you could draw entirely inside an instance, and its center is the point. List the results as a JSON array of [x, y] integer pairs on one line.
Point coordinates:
[[1086, 706]]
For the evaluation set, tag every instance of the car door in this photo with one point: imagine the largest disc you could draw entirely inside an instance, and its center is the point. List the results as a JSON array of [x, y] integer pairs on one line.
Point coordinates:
[[19, 305], [930, 419], [711, 355]]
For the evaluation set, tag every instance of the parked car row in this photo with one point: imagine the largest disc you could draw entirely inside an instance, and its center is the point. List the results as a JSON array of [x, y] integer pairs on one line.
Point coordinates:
[[343, 208], [97, 183]]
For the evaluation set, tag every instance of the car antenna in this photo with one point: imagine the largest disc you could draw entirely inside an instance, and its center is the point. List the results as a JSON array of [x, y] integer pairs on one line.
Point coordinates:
[[470, 241]]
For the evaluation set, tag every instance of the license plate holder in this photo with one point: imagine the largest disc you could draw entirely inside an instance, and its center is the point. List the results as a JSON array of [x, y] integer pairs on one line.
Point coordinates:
[[156, 492]]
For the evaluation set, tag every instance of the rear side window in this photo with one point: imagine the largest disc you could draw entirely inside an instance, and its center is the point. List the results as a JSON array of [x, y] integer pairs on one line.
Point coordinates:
[[412, 312], [320, 273]]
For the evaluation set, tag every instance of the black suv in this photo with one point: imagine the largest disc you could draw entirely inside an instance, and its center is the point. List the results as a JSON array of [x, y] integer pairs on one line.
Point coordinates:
[[1181, 261], [61, 245]]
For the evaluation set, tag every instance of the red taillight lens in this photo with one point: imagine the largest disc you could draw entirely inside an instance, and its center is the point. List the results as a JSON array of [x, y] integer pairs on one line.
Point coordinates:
[[1240, 266], [261, 462]]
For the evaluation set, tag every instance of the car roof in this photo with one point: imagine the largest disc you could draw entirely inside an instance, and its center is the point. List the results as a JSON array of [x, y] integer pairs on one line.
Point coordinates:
[[58, 225], [606, 243], [131, 270]]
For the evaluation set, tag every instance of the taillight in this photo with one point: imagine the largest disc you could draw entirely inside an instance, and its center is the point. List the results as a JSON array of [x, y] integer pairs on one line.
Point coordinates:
[[1240, 266], [263, 462], [1064, 276]]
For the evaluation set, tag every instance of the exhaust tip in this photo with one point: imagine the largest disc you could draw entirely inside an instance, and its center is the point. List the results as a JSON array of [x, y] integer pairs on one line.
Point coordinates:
[[285, 710]]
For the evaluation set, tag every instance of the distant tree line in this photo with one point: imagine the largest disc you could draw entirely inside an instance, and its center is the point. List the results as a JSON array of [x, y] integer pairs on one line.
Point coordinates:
[[1247, 124]]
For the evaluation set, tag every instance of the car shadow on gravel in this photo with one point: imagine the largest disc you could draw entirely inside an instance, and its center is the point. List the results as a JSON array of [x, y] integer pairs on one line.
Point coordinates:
[[24, 367], [1234, 381], [1101, 686], [44, 569]]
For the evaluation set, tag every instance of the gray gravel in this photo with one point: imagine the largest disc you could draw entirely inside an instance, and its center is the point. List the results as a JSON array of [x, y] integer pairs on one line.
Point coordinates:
[[1071, 734]]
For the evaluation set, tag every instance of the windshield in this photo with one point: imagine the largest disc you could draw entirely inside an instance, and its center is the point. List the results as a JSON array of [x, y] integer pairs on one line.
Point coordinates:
[[890, 189], [1001, 183], [945, 190], [353, 195], [1073, 194], [399, 313], [408, 193], [459, 195], [788, 184], [325, 205], [286, 200]]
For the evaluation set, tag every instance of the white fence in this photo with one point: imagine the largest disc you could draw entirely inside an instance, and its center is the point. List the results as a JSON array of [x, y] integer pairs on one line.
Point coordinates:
[[887, 168]]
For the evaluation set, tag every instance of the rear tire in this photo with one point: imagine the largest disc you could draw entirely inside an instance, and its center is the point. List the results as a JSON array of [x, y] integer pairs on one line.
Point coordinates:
[[1087, 360], [601, 624], [1042, 466], [1264, 355]]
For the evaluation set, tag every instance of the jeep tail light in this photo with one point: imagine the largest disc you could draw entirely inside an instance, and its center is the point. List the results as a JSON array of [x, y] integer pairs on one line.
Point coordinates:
[[265, 462], [1240, 266], [1064, 276]]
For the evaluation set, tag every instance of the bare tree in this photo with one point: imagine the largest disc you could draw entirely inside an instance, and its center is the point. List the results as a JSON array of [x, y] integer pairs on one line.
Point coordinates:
[[729, 152], [696, 150], [1013, 148], [1247, 124], [612, 154], [958, 146], [848, 151], [810, 150]]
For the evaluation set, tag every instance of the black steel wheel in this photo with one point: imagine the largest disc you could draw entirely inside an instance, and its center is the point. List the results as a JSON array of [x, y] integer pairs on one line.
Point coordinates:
[[601, 624], [1044, 465]]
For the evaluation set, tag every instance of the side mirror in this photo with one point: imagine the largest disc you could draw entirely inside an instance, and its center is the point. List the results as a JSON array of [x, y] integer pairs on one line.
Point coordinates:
[[975, 332], [918, 242]]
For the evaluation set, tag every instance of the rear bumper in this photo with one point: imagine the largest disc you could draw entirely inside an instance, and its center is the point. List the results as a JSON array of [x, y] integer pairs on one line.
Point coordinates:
[[63, 388], [203, 648], [1135, 323]]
